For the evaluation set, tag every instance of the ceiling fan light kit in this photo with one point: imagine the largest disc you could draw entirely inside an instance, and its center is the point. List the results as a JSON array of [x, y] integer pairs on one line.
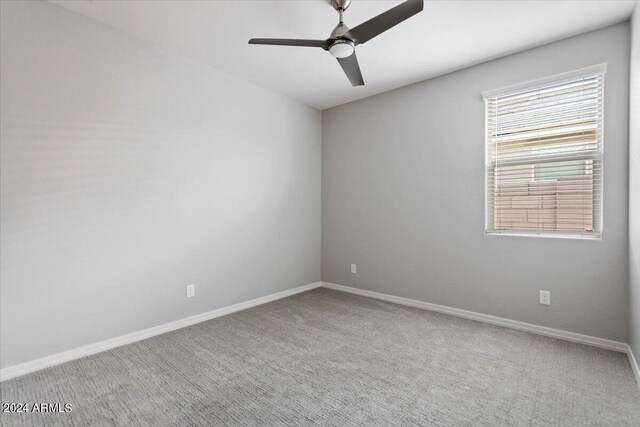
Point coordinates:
[[343, 41], [342, 48]]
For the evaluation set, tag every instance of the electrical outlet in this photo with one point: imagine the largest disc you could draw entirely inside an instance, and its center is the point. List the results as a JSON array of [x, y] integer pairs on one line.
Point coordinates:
[[353, 268], [191, 291], [545, 297]]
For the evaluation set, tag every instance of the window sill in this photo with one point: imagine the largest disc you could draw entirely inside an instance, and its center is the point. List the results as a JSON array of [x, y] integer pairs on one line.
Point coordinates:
[[575, 236]]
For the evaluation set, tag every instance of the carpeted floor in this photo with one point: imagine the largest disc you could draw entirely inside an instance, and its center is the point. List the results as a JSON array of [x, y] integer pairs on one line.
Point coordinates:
[[329, 358]]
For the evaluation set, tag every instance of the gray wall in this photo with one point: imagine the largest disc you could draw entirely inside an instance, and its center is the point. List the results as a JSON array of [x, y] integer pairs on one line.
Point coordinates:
[[403, 198], [128, 173], [634, 187]]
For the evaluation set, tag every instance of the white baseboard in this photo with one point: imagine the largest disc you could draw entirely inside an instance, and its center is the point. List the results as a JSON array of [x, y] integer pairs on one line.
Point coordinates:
[[66, 356], [634, 365], [513, 324]]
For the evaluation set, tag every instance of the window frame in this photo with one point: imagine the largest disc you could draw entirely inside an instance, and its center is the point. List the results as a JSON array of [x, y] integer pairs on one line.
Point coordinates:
[[489, 212]]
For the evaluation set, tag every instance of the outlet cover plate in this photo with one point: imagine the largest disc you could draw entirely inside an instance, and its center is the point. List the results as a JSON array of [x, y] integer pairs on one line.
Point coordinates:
[[545, 297]]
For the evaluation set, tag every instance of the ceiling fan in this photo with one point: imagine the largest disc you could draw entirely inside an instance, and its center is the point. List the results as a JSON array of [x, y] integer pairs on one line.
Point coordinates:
[[343, 41]]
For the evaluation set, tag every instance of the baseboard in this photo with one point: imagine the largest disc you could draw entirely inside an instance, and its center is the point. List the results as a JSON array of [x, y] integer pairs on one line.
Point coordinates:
[[508, 323], [634, 365], [66, 356]]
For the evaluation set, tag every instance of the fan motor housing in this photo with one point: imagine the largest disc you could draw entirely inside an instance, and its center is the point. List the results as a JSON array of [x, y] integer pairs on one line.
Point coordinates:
[[339, 30]]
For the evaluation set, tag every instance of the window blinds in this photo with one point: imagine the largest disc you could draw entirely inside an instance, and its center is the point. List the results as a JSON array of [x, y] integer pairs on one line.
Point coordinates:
[[544, 156]]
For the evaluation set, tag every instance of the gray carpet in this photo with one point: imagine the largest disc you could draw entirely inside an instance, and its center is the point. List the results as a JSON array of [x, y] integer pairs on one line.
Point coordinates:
[[329, 358]]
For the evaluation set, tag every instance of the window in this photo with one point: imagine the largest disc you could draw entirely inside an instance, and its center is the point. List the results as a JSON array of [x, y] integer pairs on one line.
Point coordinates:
[[544, 156]]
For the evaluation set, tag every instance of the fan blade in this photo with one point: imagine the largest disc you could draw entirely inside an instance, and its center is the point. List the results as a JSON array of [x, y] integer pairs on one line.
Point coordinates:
[[381, 23], [352, 69], [324, 44]]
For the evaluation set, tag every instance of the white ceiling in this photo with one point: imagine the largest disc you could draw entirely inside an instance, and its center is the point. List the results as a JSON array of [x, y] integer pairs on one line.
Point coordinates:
[[446, 36]]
